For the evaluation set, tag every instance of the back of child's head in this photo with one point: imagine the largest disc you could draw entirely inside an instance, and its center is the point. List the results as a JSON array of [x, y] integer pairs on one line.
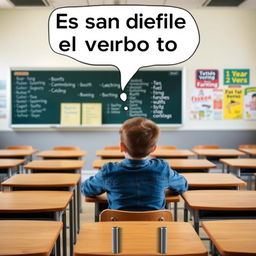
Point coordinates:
[[139, 136]]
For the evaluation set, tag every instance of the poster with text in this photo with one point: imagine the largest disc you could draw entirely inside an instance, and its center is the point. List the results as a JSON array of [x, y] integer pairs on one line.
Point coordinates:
[[207, 78], [236, 76], [250, 103], [217, 104], [201, 104], [233, 103]]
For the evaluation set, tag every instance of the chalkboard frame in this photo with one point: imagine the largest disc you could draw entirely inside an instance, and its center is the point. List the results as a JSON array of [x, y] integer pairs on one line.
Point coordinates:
[[94, 127]]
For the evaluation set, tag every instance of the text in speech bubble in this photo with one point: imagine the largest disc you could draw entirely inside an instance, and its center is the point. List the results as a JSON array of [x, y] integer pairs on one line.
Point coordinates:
[[127, 36]]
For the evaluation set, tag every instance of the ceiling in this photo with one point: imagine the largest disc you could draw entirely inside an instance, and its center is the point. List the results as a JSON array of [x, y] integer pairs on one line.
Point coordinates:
[[187, 4]]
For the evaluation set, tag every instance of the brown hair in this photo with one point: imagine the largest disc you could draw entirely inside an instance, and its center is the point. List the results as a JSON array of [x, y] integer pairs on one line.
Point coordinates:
[[139, 136]]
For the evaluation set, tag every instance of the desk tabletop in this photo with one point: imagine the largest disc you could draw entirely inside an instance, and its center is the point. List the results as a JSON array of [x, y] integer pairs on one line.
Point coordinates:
[[61, 153], [16, 152], [10, 163], [28, 237], [157, 153], [221, 152], [172, 153], [241, 200], [60, 164], [98, 163], [190, 164], [34, 201], [240, 162], [138, 238], [201, 180], [102, 198], [250, 151], [43, 180], [232, 237]]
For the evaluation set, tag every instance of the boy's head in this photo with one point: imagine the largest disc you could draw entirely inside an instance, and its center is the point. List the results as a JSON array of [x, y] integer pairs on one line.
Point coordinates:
[[139, 136]]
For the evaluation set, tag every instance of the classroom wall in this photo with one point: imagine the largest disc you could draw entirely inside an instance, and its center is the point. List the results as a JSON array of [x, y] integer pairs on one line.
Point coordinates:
[[228, 40]]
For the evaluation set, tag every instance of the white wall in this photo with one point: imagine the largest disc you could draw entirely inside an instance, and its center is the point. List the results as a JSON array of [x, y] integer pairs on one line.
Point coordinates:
[[228, 40]]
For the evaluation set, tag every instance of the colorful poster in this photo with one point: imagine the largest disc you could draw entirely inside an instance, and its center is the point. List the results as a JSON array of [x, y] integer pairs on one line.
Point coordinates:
[[201, 104], [250, 103], [70, 114], [207, 78], [236, 76], [217, 104], [233, 103]]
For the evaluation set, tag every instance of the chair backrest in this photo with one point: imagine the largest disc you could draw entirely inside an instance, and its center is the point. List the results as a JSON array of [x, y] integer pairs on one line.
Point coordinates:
[[247, 146], [118, 215], [166, 147], [206, 147], [66, 148], [111, 148], [19, 147]]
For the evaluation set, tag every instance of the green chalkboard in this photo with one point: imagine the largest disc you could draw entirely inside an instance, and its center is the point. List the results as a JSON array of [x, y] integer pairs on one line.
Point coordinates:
[[38, 94]]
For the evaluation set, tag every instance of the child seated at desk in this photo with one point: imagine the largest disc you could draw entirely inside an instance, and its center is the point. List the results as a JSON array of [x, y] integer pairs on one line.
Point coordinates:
[[137, 183]]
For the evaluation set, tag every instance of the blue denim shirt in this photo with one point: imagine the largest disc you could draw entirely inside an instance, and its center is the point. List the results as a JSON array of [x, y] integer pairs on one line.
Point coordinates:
[[135, 185]]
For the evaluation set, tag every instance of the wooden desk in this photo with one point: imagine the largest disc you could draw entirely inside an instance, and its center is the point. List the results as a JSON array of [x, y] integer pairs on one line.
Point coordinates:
[[221, 152], [17, 153], [28, 237], [205, 204], [51, 181], [243, 166], [9, 165], [190, 164], [139, 238], [98, 163], [249, 151], [53, 165], [68, 154], [232, 237], [163, 153], [50, 205], [172, 153], [212, 180], [101, 203]]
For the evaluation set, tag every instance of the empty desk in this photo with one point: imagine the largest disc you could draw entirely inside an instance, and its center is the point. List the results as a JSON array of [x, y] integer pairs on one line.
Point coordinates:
[[24, 238], [62, 166], [217, 204], [249, 151], [101, 203], [243, 166], [98, 163], [8, 166], [66, 154], [115, 153], [191, 165], [213, 181], [17, 153], [232, 237], [172, 153], [139, 238], [49, 205], [49, 181]]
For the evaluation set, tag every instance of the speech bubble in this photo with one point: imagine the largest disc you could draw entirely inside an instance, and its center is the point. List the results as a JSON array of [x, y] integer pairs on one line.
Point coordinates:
[[126, 36]]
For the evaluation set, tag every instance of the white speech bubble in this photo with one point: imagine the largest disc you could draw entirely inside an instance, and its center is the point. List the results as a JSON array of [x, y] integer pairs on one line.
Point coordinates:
[[126, 36]]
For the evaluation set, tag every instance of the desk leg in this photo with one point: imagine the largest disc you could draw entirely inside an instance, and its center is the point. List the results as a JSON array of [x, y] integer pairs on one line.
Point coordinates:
[[96, 212], [196, 220], [175, 211], [185, 213], [57, 245], [223, 168], [71, 226]]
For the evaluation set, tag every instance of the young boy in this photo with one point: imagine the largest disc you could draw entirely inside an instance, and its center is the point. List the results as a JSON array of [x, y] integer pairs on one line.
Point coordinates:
[[138, 183]]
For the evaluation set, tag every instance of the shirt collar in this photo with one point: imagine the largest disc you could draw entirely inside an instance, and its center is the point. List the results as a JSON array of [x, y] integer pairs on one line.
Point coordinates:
[[132, 162]]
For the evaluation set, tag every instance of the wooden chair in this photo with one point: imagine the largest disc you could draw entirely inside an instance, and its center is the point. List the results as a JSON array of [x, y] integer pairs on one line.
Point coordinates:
[[66, 148], [19, 147], [247, 146], [166, 147], [111, 148], [206, 147], [118, 215]]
